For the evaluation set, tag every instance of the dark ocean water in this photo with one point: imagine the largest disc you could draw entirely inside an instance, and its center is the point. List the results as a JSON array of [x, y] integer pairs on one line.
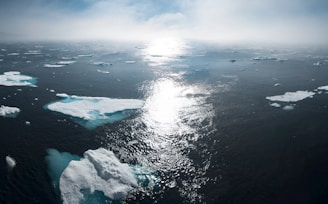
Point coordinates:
[[206, 129]]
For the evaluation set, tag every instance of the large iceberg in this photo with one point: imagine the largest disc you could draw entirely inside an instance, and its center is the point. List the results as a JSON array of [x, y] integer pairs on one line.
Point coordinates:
[[9, 112], [92, 112], [292, 96], [14, 78], [98, 176]]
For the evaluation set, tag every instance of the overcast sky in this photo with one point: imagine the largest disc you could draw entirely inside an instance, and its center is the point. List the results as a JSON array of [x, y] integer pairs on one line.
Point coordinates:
[[294, 21]]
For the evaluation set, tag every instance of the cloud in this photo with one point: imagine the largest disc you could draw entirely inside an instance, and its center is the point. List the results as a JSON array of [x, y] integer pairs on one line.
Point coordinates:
[[293, 21]]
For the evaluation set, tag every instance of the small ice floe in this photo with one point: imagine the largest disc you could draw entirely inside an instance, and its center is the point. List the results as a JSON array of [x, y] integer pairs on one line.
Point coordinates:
[[28, 61], [291, 96], [130, 62], [277, 84], [28, 123], [9, 112], [317, 64], [1, 60], [101, 63], [14, 78], [277, 105], [288, 107], [264, 58], [92, 112], [325, 88], [53, 65], [11, 162], [52, 91], [69, 58], [65, 62], [86, 55], [102, 71], [13, 54], [4, 50]]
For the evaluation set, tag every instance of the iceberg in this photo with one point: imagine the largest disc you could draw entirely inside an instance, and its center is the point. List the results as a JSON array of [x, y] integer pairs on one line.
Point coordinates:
[[291, 96], [11, 162], [10, 112], [99, 175], [323, 88], [92, 112], [14, 78]]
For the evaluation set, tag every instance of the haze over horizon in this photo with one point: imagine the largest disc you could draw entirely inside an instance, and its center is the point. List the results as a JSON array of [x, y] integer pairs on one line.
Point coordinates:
[[240, 21]]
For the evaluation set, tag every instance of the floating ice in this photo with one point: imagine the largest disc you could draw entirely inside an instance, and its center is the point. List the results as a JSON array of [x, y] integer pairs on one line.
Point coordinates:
[[264, 58], [9, 112], [323, 88], [13, 54], [130, 62], [14, 78], [28, 123], [317, 64], [11, 162], [69, 58], [88, 55], [1, 60], [53, 65], [65, 62], [102, 71], [101, 63], [91, 112], [292, 96], [100, 171], [57, 162], [277, 105]]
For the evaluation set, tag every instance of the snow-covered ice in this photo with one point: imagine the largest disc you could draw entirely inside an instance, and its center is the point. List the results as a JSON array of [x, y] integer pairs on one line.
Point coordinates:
[[91, 112], [277, 105], [292, 96], [10, 112], [14, 78]]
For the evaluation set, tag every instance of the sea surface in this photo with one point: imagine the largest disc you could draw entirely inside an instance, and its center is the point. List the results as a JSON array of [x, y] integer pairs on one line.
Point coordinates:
[[206, 132]]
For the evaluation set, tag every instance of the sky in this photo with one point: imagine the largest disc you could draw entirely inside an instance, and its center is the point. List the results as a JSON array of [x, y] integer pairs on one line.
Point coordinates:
[[225, 21]]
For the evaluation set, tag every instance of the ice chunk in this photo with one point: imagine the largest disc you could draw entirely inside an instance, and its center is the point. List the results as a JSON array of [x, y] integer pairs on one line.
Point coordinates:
[[11, 162], [68, 58], [33, 52], [53, 65], [87, 55], [323, 88], [130, 62], [65, 62], [317, 64], [10, 112], [1, 60], [91, 112], [277, 105], [292, 96], [14, 78], [28, 123], [264, 58], [99, 171], [102, 71]]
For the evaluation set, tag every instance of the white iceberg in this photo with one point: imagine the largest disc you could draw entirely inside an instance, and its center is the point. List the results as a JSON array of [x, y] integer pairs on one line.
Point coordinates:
[[292, 96], [14, 78], [91, 112], [100, 171], [10, 112], [11, 162], [99, 175], [323, 88], [53, 65]]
